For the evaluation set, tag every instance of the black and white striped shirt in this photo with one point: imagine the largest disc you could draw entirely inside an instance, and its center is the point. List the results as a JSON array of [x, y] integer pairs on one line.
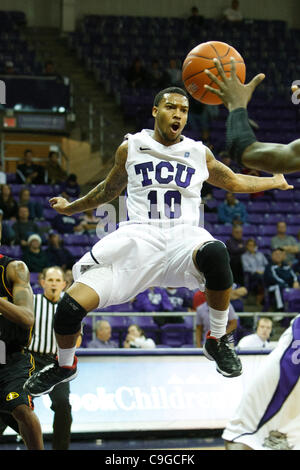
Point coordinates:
[[43, 337]]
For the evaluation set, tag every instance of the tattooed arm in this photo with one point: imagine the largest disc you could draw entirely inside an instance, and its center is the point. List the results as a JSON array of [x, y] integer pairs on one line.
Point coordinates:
[[104, 192], [19, 311], [223, 177]]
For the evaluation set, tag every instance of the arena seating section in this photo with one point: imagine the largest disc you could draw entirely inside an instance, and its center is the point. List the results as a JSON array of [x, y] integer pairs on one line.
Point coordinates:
[[108, 44]]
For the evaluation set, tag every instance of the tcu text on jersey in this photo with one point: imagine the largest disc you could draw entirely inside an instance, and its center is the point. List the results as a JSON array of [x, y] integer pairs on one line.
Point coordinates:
[[164, 173]]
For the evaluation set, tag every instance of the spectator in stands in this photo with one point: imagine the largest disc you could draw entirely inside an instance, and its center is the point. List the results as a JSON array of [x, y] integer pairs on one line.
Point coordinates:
[[70, 188], [234, 13], [154, 299], [103, 336], [35, 207], [136, 339], [195, 19], [237, 295], [203, 325], [29, 172], [3, 178], [199, 119], [8, 204], [57, 254], [278, 276], [181, 298], [255, 196], [254, 263], [157, 76], [35, 258], [259, 339], [50, 69], [9, 68], [24, 227], [232, 211], [67, 224], [7, 234], [226, 160], [236, 246], [55, 174], [287, 242], [174, 73], [137, 75], [68, 278], [89, 222]]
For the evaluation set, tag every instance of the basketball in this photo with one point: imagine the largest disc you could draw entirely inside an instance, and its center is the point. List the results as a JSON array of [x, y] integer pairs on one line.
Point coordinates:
[[201, 58]]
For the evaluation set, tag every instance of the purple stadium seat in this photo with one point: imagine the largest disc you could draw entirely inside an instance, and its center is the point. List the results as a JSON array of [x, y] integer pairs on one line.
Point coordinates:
[[264, 242], [49, 214], [283, 195], [75, 239], [255, 218], [273, 218], [11, 178], [147, 324], [269, 230], [34, 277], [260, 207], [173, 334], [12, 251], [292, 299], [249, 230]]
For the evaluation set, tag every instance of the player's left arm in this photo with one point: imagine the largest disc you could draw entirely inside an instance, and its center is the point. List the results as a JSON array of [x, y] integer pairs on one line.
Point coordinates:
[[21, 310], [223, 177]]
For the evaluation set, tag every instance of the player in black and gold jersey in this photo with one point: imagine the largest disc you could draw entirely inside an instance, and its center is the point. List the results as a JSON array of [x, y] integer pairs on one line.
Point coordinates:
[[16, 364]]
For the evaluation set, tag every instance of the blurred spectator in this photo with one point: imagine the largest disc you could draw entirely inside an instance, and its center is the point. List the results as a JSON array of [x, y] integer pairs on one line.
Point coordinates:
[[137, 75], [199, 118], [67, 224], [181, 298], [35, 207], [50, 69], [226, 160], [203, 323], [7, 234], [154, 299], [68, 278], [70, 188], [254, 263], [29, 172], [55, 174], [174, 73], [260, 339], [103, 335], [236, 246], [234, 13], [136, 339], [3, 178], [8, 204], [57, 254], [232, 211], [278, 276], [9, 68], [157, 77], [89, 222], [287, 242], [35, 258], [236, 297], [24, 227], [195, 19]]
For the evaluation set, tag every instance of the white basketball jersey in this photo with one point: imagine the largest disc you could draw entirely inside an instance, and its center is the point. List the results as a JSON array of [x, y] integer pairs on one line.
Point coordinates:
[[164, 182]]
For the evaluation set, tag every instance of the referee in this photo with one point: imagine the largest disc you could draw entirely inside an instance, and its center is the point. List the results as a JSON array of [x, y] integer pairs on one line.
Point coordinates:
[[43, 349]]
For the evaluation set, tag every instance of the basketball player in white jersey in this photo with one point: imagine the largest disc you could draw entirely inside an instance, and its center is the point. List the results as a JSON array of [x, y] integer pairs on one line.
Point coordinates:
[[161, 244], [268, 416]]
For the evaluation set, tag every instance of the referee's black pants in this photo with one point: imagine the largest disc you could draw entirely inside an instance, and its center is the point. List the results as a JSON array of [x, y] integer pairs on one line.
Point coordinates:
[[60, 405]]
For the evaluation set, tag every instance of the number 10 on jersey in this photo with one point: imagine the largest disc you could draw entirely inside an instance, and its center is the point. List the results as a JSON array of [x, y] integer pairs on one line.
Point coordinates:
[[172, 205]]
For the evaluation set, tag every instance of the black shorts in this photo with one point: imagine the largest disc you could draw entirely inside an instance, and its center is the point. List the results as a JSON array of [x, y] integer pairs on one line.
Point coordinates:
[[19, 366]]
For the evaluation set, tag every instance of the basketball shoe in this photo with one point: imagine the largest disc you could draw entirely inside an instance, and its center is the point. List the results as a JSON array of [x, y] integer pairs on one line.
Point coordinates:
[[45, 380], [220, 351]]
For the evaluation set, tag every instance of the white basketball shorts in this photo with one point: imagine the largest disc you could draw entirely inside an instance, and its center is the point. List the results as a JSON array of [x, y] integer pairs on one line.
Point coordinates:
[[138, 256]]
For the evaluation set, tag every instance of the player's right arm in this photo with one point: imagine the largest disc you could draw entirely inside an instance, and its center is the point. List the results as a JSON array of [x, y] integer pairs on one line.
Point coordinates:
[[106, 191], [21, 310], [241, 141]]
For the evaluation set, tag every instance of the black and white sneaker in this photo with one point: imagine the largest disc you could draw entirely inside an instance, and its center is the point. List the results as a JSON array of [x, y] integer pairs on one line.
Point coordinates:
[[220, 351], [45, 380]]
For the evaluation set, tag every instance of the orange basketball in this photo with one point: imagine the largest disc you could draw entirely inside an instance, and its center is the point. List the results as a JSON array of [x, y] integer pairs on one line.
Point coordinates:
[[201, 58]]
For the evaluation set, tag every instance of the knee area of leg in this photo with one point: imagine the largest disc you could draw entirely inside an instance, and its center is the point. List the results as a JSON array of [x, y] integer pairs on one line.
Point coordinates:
[[68, 316], [212, 254], [213, 261]]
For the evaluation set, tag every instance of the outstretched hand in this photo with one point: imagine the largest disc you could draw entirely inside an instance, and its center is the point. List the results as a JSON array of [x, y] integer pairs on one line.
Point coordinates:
[[231, 90], [281, 182], [61, 205]]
